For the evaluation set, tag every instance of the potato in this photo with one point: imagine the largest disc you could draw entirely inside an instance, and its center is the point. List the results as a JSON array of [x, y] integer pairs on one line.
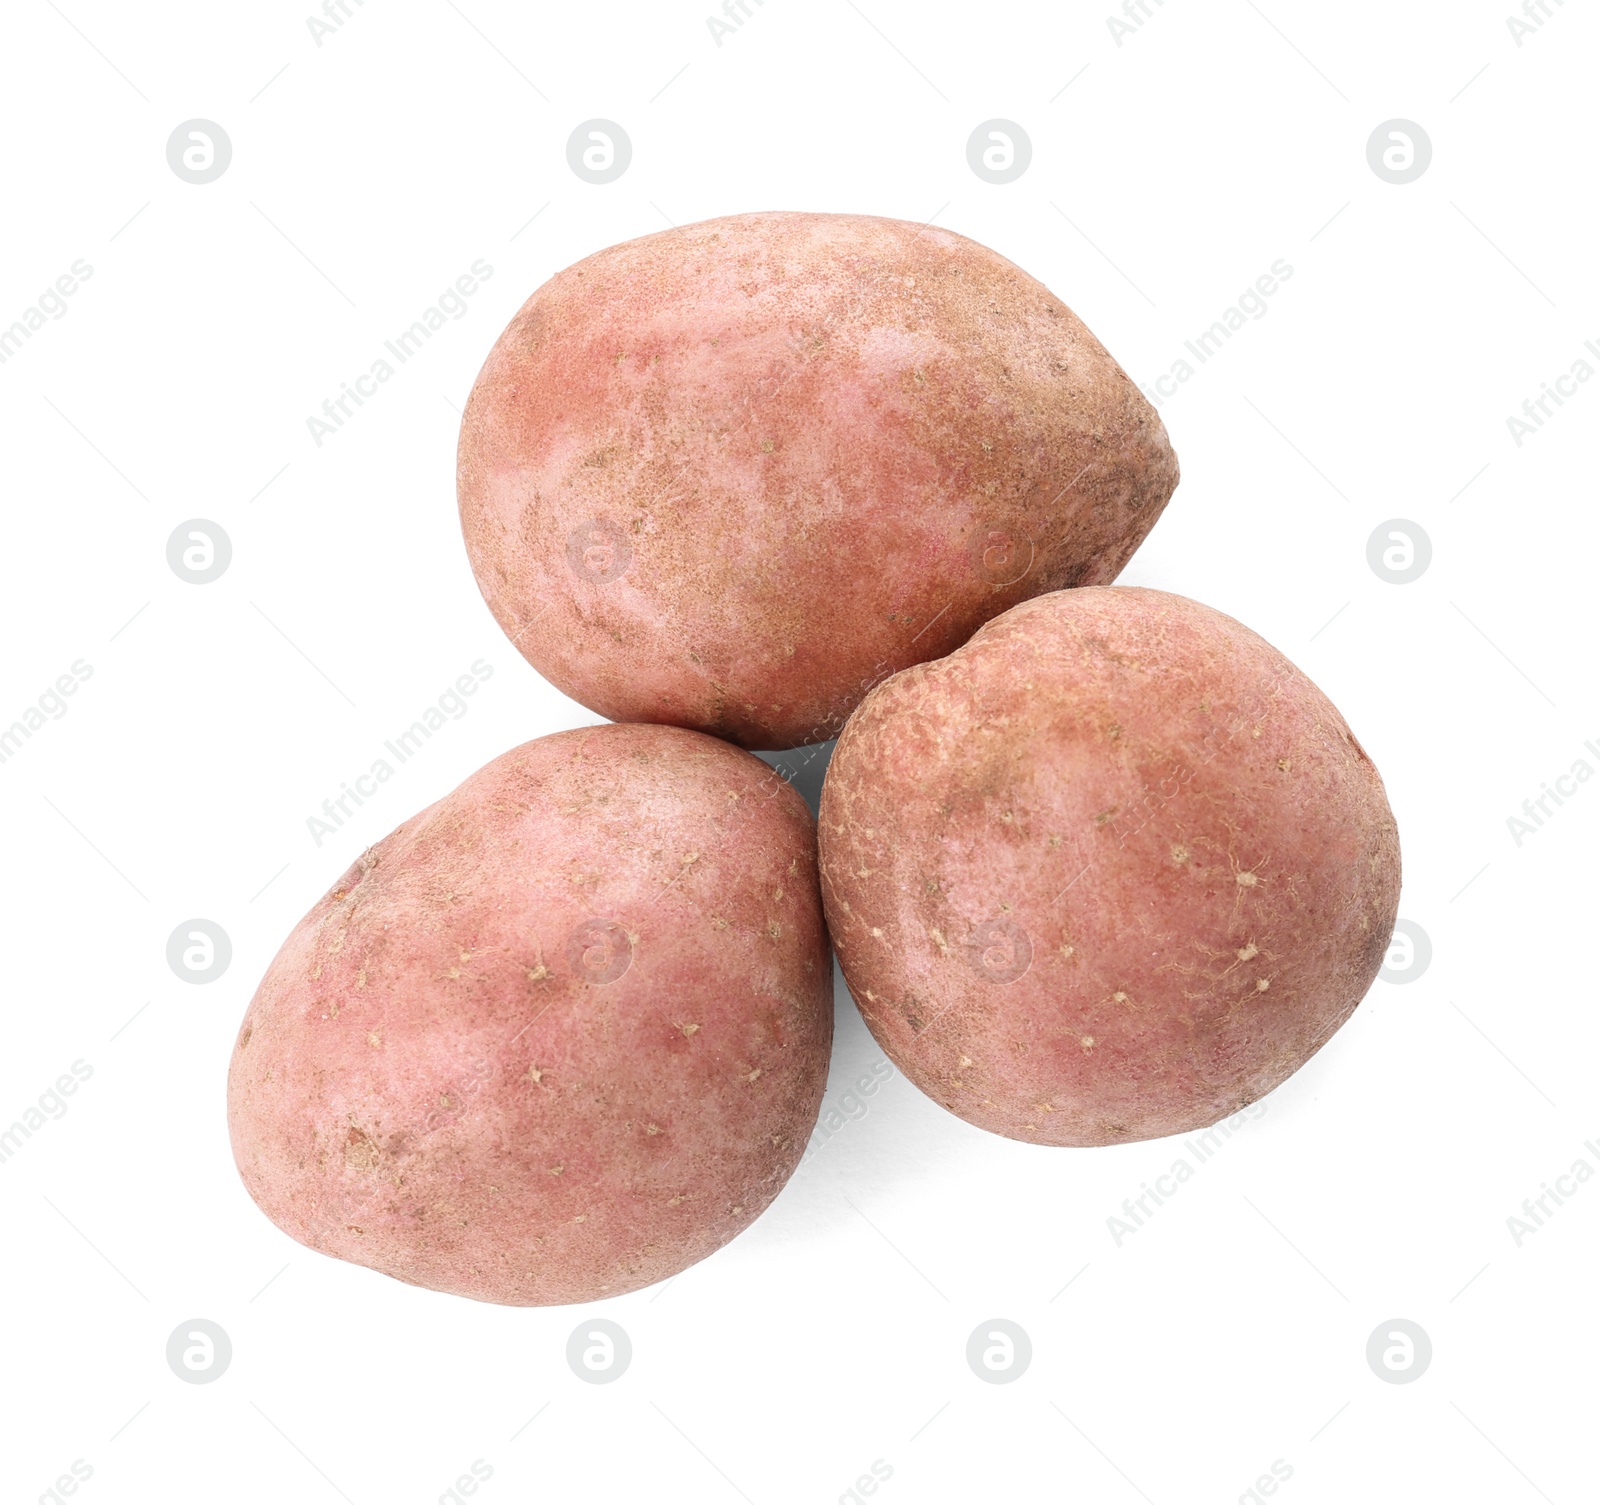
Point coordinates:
[[728, 476], [560, 1035], [1111, 871]]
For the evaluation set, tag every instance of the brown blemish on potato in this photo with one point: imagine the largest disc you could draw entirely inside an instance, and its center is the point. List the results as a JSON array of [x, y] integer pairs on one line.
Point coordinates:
[[361, 1152]]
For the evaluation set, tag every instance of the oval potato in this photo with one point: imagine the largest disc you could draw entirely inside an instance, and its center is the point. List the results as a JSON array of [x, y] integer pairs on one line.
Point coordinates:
[[1111, 871], [729, 475], [558, 1036]]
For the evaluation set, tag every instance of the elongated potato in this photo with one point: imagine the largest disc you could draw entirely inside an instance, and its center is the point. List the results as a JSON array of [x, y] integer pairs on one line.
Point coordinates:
[[729, 475], [558, 1036], [1111, 871]]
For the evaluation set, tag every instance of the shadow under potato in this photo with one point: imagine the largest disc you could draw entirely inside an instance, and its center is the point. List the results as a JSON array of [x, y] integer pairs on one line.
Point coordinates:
[[804, 767]]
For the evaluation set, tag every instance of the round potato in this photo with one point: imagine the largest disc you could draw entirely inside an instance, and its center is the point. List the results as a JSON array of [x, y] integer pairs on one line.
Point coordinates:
[[1111, 871], [559, 1036], [729, 476]]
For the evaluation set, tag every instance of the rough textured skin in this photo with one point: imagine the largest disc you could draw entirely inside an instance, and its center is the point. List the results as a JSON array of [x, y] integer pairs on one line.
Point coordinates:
[[730, 475], [1111, 871], [455, 1073]]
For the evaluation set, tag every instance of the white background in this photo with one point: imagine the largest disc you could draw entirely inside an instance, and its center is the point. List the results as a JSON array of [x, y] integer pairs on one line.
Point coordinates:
[[1168, 173]]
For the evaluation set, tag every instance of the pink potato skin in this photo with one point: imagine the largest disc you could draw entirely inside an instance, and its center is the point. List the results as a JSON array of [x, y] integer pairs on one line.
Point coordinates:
[[448, 1074], [1112, 871], [730, 475]]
